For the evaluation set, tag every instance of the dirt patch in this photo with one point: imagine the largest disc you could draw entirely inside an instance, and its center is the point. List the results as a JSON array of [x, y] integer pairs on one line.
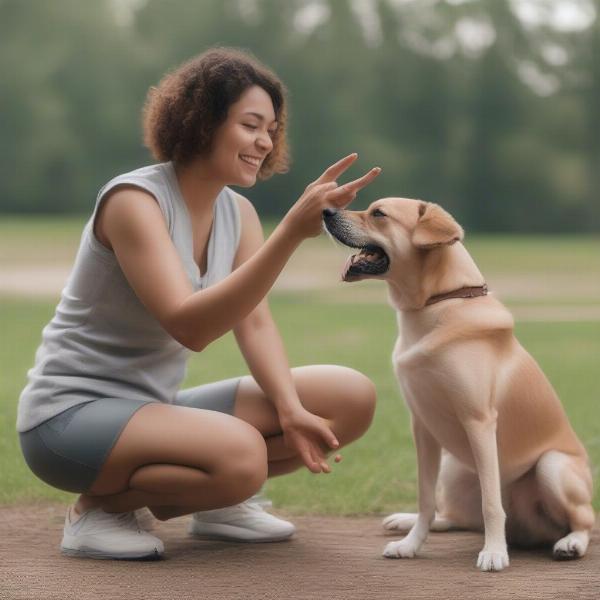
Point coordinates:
[[329, 558], [34, 282], [536, 296]]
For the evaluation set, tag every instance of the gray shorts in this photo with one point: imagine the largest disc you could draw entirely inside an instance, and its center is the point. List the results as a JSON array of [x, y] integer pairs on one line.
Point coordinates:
[[68, 450]]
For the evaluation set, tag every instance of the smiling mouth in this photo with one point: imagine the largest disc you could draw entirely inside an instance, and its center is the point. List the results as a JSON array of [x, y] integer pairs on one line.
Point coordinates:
[[251, 160], [371, 260]]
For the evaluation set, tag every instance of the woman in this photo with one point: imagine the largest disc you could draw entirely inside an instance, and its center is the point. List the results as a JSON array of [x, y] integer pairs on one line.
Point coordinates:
[[170, 260]]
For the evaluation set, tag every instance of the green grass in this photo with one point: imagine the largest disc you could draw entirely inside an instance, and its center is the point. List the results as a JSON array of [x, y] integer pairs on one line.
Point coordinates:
[[536, 254], [378, 472], [334, 325]]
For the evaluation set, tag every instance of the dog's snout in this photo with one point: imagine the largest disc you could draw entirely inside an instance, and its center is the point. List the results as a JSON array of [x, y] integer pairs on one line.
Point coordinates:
[[328, 213]]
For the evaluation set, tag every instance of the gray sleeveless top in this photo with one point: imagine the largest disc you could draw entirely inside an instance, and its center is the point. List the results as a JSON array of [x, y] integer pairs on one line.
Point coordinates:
[[102, 342]]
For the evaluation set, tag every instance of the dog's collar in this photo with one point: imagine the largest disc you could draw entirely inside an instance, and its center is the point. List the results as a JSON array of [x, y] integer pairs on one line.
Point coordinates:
[[464, 292]]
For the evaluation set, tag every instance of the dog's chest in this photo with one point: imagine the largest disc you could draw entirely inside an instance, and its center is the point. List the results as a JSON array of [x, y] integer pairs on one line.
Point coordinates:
[[426, 395]]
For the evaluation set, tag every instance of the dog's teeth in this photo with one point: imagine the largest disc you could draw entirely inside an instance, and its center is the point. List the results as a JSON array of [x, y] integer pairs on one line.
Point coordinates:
[[347, 265]]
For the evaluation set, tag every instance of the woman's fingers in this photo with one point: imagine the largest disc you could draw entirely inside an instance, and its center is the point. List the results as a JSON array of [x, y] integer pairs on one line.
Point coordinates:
[[314, 458], [307, 456], [317, 458], [335, 170], [344, 194], [322, 462], [328, 436], [359, 184], [312, 447], [352, 187]]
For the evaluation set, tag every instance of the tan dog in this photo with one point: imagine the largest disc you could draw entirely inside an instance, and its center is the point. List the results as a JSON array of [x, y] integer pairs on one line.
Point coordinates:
[[510, 461]]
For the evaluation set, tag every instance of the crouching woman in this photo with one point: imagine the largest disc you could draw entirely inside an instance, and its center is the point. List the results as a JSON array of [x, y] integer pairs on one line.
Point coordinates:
[[170, 260]]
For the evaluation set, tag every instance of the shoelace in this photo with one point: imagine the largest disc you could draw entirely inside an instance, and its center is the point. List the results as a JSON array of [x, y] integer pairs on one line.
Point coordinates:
[[128, 520]]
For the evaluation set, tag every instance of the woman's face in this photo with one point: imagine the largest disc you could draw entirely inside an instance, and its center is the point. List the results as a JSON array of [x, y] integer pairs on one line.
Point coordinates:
[[243, 141]]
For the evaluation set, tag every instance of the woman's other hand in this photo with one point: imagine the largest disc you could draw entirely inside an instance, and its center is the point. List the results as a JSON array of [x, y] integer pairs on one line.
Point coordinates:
[[311, 437], [304, 219]]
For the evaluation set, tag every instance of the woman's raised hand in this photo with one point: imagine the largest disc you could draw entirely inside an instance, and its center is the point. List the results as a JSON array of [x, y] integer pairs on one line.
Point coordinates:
[[305, 217]]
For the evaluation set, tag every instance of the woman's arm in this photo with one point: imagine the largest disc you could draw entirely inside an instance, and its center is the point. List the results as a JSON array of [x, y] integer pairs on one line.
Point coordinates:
[[262, 347], [257, 335], [135, 229]]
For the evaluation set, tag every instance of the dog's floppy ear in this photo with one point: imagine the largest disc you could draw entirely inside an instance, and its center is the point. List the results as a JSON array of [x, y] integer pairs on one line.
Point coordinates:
[[435, 227]]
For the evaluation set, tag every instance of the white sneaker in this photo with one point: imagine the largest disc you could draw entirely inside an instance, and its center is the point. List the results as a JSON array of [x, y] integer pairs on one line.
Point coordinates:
[[245, 522], [98, 534]]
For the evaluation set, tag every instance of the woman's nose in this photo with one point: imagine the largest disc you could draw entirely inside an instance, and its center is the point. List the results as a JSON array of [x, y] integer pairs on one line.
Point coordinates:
[[264, 142]]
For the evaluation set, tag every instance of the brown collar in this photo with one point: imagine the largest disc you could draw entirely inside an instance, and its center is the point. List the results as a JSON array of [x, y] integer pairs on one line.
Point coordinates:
[[465, 292]]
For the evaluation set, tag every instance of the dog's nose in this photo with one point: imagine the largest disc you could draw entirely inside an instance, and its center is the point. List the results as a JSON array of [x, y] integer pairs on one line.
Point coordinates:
[[328, 213]]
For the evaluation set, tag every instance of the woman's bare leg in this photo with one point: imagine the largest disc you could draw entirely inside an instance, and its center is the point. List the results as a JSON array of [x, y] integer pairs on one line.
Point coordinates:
[[343, 396], [172, 456]]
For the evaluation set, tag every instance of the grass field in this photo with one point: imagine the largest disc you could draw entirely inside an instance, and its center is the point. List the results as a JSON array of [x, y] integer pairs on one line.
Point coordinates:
[[378, 472]]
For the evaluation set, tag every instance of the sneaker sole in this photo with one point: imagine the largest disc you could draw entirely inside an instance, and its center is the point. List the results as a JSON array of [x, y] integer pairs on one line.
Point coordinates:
[[223, 537], [90, 553]]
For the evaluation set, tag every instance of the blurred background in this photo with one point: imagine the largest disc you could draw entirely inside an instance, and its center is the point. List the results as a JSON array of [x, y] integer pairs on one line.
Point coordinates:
[[489, 107]]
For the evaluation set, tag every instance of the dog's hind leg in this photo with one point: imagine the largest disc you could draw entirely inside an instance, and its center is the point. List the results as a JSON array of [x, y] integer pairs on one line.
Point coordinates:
[[459, 501], [405, 521], [566, 485], [459, 496], [529, 523]]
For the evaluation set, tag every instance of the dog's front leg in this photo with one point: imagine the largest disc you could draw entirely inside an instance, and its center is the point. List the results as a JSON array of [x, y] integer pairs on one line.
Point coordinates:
[[482, 438], [428, 463]]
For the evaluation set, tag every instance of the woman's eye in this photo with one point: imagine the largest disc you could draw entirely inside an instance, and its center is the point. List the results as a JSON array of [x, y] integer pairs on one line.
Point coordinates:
[[250, 126], [378, 213]]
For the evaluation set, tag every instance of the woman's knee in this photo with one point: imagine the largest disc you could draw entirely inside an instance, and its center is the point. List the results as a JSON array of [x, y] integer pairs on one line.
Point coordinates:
[[238, 473], [365, 393], [344, 396], [355, 400], [243, 465], [175, 435]]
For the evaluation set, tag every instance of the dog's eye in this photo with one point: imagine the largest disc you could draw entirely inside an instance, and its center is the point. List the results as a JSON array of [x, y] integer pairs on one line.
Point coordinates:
[[378, 213]]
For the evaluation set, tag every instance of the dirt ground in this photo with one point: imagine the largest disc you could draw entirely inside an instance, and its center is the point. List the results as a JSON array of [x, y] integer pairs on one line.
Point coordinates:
[[329, 558]]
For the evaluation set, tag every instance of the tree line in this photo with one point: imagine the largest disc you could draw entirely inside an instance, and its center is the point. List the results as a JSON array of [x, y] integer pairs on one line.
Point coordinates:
[[465, 104]]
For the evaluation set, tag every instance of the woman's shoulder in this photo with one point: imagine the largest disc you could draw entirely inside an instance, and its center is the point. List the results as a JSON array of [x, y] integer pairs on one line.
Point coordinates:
[[155, 174], [151, 180]]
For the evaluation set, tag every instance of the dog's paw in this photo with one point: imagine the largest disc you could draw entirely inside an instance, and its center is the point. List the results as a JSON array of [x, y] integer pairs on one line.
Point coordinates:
[[401, 549], [571, 546], [492, 560], [400, 521]]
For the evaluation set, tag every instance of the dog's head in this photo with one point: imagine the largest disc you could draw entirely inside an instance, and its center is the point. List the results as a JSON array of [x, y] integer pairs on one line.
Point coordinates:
[[390, 234]]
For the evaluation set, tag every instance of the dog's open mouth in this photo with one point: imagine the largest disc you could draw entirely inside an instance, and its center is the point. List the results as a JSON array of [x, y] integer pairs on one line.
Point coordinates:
[[371, 260]]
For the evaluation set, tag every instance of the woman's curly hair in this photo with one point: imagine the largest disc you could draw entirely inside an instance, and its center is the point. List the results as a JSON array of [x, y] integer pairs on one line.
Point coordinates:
[[182, 114]]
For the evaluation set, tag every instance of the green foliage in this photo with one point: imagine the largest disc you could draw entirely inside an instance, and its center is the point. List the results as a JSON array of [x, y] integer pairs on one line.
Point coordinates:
[[447, 122]]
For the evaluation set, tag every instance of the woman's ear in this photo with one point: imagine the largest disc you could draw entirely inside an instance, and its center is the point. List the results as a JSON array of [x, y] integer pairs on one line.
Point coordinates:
[[435, 227]]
